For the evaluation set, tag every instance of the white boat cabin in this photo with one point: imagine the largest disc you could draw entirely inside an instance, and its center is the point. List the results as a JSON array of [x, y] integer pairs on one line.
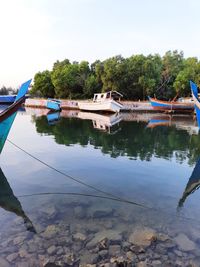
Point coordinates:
[[108, 95]]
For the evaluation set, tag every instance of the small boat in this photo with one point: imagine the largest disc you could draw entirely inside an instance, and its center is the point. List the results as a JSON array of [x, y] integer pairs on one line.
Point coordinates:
[[107, 102], [171, 105], [7, 99], [53, 104], [195, 96], [20, 98]]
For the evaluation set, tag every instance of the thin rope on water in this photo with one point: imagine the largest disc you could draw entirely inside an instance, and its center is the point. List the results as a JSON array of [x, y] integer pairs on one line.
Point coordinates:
[[109, 196], [177, 215], [76, 179]]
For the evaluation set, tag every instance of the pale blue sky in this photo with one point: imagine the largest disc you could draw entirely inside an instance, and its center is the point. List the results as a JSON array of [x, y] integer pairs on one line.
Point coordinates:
[[36, 33]]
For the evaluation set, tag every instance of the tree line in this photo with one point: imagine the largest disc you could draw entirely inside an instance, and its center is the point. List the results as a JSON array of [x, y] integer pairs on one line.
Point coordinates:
[[135, 77], [8, 91]]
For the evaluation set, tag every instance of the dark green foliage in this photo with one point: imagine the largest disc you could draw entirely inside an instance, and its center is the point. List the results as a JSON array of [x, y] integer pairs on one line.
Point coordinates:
[[43, 85], [135, 77]]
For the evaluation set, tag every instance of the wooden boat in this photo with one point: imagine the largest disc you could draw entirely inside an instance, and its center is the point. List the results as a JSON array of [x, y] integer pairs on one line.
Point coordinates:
[[5, 127], [7, 99], [20, 98], [53, 104], [107, 102], [171, 105], [195, 96]]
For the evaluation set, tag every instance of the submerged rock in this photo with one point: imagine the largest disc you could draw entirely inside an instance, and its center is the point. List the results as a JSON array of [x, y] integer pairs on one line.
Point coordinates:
[[142, 236], [50, 231], [3, 262], [79, 212], [12, 257], [79, 237], [100, 212], [184, 242], [114, 238], [51, 250]]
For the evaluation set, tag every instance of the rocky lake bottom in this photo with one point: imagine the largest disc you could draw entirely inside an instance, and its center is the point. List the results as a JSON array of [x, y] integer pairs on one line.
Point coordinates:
[[68, 232]]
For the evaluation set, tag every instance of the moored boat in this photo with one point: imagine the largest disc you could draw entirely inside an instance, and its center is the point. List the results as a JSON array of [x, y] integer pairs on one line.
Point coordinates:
[[7, 99], [107, 102], [53, 104], [195, 96], [20, 98], [171, 105]]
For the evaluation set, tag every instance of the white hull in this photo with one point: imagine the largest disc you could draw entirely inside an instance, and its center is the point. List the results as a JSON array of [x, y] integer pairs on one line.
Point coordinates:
[[106, 105]]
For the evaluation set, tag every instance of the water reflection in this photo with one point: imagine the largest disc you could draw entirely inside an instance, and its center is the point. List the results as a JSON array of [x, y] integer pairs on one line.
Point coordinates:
[[181, 123], [53, 117], [76, 225], [102, 122], [9, 202], [192, 185], [134, 139]]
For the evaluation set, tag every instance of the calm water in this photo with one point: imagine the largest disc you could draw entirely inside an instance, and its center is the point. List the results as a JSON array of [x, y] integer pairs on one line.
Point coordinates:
[[68, 185]]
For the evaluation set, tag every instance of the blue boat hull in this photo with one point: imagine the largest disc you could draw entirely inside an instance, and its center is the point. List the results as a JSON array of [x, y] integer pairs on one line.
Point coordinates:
[[20, 98], [195, 96], [167, 105], [7, 99], [53, 105]]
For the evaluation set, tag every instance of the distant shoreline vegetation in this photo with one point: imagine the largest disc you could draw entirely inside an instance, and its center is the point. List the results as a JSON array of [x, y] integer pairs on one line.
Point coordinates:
[[135, 77]]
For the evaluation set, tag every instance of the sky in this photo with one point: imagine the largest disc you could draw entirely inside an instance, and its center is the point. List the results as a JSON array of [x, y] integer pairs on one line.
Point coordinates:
[[36, 33]]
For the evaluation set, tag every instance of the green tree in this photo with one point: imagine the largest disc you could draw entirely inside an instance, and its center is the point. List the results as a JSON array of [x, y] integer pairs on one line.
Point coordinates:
[[172, 64], [43, 85], [191, 71]]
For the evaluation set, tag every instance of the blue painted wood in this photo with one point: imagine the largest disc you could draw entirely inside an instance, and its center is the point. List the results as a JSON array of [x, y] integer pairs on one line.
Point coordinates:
[[23, 90], [53, 117], [170, 105], [194, 90], [5, 127], [53, 104], [20, 98], [7, 99]]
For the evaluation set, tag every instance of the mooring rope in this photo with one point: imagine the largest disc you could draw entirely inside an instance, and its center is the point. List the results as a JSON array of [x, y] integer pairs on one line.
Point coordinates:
[[76, 179], [109, 196]]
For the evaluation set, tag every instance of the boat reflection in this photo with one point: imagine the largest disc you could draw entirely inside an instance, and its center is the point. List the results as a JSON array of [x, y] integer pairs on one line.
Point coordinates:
[[192, 185], [53, 117], [181, 123], [8, 201], [101, 122]]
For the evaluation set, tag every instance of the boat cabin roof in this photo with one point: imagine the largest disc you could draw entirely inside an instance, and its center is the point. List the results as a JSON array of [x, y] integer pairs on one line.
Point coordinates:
[[107, 95], [112, 93]]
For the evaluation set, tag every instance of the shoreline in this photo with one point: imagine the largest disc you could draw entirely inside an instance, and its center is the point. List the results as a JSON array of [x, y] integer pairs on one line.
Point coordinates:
[[128, 106]]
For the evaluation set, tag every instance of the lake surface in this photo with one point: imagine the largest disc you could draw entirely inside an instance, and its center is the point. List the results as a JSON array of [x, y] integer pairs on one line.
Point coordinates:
[[94, 189]]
